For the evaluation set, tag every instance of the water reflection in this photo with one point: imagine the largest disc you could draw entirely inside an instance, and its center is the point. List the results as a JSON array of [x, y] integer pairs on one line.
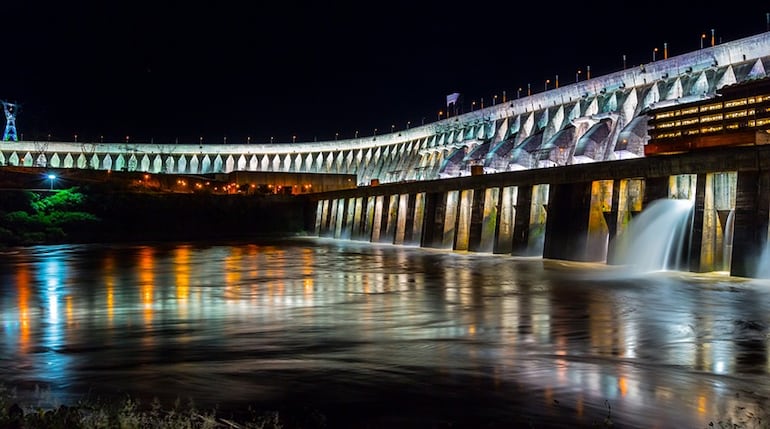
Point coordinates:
[[351, 326]]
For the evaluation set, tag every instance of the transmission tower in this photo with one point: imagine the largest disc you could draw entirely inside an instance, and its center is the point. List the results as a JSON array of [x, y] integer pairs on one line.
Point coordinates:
[[10, 121]]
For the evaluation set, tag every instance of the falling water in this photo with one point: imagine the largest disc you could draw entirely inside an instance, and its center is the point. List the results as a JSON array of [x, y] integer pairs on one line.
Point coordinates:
[[727, 246], [657, 238]]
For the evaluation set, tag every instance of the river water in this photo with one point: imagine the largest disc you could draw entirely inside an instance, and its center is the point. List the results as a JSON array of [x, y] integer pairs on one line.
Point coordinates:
[[372, 335]]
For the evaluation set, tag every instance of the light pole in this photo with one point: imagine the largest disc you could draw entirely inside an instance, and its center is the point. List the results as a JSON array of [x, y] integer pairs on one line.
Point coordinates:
[[52, 177], [473, 105], [294, 139], [392, 128], [518, 93], [547, 81], [712, 37], [624, 61], [654, 51], [529, 89], [271, 139], [577, 76], [408, 123], [702, 37]]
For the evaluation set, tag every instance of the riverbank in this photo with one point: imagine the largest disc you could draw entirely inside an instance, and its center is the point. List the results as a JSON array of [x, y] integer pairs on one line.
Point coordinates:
[[93, 214]]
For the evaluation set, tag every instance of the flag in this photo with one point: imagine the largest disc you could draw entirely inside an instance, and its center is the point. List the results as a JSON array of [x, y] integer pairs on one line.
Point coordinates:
[[452, 99]]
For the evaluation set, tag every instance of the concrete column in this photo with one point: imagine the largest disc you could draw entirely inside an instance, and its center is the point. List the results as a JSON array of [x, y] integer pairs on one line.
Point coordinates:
[[655, 188], [489, 220], [433, 229], [389, 218], [752, 204], [450, 219], [356, 231], [566, 231], [506, 212], [339, 217], [409, 219], [523, 210], [475, 218], [368, 225], [702, 224], [380, 217], [400, 220]]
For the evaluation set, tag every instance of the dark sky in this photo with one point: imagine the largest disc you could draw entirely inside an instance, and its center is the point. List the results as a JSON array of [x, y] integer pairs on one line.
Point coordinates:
[[167, 70]]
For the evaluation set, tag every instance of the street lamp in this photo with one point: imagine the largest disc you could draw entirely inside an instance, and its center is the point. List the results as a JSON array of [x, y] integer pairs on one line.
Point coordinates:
[[473, 105], [577, 75], [294, 139], [494, 99], [547, 81], [408, 123], [440, 112], [654, 51], [518, 93], [392, 128], [52, 177], [702, 37]]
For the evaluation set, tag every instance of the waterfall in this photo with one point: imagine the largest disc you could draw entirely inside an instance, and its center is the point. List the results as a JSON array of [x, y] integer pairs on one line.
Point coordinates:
[[656, 239]]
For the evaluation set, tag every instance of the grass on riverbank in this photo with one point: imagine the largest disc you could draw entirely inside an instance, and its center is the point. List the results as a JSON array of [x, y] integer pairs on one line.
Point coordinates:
[[126, 414]]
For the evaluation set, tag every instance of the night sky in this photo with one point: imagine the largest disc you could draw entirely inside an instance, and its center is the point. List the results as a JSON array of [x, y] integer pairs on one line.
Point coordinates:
[[167, 71]]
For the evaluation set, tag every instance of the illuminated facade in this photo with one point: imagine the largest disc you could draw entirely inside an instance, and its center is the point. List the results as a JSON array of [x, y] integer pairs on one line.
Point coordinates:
[[599, 119], [739, 115]]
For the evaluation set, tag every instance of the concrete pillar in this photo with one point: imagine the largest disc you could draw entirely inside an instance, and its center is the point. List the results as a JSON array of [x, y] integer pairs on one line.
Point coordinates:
[[450, 219], [368, 222], [752, 204], [566, 231], [377, 220], [403, 205], [523, 210], [409, 219], [339, 217], [433, 229], [655, 188], [601, 209], [489, 220], [358, 219], [390, 218], [702, 224], [466, 204], [505, 219], [319, 213], [476, 227]]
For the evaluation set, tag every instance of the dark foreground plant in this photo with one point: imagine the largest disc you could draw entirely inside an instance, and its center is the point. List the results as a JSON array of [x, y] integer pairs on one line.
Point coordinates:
[[125, 414]]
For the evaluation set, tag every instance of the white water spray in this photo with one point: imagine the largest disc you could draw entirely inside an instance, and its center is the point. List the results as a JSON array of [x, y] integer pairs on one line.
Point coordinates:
[[656, 238]]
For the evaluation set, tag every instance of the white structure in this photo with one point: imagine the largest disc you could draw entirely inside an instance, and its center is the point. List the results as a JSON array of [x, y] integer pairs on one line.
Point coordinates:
[[599, 119]]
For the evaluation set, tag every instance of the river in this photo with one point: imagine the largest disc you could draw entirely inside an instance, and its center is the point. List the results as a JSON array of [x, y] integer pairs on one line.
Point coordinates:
[[385, 336]]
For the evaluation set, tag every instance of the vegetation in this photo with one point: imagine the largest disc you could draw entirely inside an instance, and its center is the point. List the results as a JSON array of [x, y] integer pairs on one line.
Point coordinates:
[[131, 414], [28, 218]]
